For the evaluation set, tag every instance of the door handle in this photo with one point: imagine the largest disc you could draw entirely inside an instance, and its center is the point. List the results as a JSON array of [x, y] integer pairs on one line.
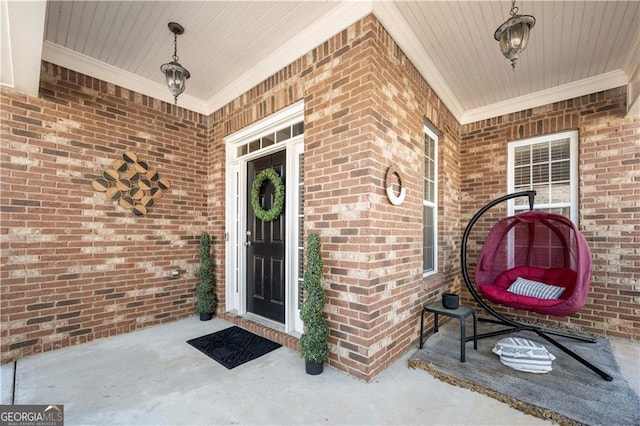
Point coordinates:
[[247, 243]]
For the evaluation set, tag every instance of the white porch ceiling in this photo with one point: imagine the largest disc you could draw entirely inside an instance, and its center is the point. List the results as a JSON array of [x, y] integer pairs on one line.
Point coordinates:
[[575, 48]]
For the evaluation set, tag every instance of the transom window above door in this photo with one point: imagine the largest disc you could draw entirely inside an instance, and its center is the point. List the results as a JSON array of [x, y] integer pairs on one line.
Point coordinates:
[[278, 136]]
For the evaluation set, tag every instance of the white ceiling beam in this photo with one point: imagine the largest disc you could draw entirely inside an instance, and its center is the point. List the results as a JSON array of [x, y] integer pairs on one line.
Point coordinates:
[[22, 35]]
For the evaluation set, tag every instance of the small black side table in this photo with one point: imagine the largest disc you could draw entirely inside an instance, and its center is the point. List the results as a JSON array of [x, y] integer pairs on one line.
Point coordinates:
[[462, 313]]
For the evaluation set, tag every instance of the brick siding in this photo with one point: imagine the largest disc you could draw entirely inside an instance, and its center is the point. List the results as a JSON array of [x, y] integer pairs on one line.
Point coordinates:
[[76, 266], [609, 197], [364, 108]]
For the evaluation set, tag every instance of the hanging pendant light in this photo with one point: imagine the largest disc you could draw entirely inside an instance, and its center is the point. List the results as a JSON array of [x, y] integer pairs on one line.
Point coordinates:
[[513, 35], [175, 73]]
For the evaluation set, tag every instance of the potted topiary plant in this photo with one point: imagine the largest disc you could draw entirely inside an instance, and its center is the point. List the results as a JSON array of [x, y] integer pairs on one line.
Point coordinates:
[[313, 343], [207, 300]]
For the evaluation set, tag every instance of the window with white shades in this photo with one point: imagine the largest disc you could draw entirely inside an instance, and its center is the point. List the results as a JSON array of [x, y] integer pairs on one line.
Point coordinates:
[[549, 165]]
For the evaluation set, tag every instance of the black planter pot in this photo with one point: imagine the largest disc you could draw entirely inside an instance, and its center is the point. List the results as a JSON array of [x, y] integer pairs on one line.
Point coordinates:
[[314, 368], [205, 316], [450, 300]]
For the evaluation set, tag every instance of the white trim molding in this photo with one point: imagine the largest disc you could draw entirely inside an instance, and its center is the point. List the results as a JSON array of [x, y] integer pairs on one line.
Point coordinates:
[[391, 18], [335, 21], [78, 62], [26, 21], [583, 87]]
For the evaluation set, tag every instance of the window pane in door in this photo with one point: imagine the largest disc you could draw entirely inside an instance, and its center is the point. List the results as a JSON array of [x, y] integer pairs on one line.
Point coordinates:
[[283, 134], [267, 140]]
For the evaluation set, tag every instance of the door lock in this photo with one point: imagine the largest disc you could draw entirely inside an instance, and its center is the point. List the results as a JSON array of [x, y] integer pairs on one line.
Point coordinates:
[[247, 243]]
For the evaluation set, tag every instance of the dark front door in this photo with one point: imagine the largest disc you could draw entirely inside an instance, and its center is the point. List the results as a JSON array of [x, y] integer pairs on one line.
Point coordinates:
[[265, 246]]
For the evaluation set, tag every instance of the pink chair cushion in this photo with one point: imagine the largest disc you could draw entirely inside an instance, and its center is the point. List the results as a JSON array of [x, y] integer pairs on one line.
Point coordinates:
[[497, 292]]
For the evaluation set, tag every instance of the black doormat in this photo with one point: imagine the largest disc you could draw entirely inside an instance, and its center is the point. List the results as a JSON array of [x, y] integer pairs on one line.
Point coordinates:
[[233, 346]]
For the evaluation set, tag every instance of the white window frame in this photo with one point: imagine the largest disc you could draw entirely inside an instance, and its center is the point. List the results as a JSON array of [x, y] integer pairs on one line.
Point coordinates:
[[432, 204], [572, 135]]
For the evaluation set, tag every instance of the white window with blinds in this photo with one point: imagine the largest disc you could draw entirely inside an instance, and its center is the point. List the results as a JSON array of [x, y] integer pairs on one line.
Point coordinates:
[[549, 165], [430, 203]]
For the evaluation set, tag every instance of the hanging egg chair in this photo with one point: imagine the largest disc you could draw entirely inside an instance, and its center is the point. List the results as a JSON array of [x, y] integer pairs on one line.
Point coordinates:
[[533, 261]]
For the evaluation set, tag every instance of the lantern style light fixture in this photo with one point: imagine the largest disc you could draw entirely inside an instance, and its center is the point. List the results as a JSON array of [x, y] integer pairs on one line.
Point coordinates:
[[175, 73], [513, 35]]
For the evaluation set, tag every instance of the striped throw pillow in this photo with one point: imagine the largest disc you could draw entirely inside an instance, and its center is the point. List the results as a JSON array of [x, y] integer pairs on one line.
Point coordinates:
[[531, 288], [524, 355]]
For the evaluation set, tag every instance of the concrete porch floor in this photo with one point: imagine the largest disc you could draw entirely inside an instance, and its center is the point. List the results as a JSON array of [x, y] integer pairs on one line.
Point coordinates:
[[153, 377]]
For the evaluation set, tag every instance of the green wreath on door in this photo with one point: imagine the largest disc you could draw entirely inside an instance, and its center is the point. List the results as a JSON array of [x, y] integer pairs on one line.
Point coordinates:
[[278, 203]]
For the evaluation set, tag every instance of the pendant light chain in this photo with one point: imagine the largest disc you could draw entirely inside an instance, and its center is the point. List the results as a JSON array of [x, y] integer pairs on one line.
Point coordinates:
[[514, 8], [175, 47]]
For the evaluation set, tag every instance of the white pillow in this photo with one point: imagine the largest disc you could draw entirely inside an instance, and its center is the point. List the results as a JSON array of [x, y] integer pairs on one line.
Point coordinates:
[[524, 355], [531, 288], [528, 367]]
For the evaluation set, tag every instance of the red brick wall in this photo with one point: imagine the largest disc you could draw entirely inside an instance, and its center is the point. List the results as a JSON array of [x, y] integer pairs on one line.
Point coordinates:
[[609, 193], [375, 280], [364, 108], [75, 266]]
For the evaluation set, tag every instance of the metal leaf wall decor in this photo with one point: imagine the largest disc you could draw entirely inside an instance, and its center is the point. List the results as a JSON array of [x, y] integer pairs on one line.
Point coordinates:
[[132, 184]]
